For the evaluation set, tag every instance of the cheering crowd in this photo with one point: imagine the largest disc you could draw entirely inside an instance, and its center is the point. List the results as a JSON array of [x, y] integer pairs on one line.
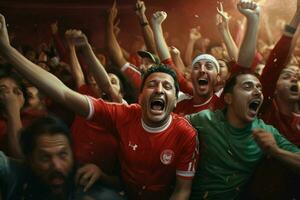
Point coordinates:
[[219, 121]]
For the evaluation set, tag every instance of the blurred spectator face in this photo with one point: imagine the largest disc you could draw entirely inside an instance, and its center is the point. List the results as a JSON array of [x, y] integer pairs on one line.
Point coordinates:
[[115, 81], [146, 64], [34, 100], [259, 69], [224, 72], [31, 55], [8, 84], [287, 84], [217, 52], [52, 161]]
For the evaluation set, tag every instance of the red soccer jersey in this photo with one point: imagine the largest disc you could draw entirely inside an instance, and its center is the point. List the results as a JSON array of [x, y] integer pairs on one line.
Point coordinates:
[[93, 143], [188, 106], [133, 75], [150, 158]]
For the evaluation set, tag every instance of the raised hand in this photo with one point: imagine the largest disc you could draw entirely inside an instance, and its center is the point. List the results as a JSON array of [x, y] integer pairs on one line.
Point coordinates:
[[76, 37], [4, 38], [265, 141], [87, 175], [113, 13], [140, 8], [174, 51], [158, 17], [222, 17], [195, 34], [249, 8]]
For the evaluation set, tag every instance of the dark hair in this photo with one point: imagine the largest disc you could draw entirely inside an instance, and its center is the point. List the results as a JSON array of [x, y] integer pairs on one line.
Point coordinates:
[[163, 69], [41, 126], [126, 87], [228, 88], [7, 72]]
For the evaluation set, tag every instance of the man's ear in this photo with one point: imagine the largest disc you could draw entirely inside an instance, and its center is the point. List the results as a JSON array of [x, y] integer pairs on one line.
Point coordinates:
[[228, 98]]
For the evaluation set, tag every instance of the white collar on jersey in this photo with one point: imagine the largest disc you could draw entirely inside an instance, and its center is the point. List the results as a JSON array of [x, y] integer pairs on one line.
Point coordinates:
[[157, 129]]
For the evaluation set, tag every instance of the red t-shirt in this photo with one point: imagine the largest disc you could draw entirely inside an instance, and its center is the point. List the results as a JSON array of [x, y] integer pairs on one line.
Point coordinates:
[[150, 158], [188, 106], [93, 143]]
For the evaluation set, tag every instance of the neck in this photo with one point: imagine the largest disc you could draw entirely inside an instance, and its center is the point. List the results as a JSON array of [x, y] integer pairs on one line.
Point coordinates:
[[201, 99], [287, 107], [155, 126], [233, 120]]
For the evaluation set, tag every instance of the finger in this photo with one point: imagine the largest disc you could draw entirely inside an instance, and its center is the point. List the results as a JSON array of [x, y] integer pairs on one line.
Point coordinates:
[[221, 6], [79, 173], [90, 183]]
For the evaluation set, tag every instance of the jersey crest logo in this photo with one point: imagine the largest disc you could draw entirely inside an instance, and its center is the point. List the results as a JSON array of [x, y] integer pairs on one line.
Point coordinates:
[[167, 156], [134, 147]]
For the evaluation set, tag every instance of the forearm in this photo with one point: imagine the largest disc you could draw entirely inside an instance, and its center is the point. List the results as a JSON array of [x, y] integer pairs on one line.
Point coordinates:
[[291, 159], [178, 62], [114, 48], [76, 68], [14, 125], [147, 34], [161, 44], [188, 56], [100, 74], [45, 81], [232, 48], [248, 47]]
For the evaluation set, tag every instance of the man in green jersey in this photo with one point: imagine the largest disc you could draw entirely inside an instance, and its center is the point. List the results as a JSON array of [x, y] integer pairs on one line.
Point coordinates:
[[234, 141]]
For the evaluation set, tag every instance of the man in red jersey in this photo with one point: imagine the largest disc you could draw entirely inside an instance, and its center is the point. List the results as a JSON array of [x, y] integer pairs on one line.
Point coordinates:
[[156, 147]]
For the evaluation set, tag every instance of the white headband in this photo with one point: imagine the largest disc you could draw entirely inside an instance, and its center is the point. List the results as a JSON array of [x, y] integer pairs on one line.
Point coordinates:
[[207, 57]]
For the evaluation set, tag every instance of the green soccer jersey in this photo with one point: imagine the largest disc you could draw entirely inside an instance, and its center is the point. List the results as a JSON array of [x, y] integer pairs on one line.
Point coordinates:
[[228, 155]]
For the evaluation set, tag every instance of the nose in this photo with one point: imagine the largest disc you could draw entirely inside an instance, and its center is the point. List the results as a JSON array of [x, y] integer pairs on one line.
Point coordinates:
[[159, 88], [257, 91], [56, 164]]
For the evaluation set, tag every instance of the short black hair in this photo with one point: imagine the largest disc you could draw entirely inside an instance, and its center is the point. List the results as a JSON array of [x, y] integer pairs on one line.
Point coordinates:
[[163, 69], [228, 88], [41, 126]]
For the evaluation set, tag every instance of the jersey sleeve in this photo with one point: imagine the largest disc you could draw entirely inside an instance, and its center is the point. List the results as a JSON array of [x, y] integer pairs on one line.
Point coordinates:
[[189, 157], [133, 75], [283, 143], [185, 86], [105, 113]]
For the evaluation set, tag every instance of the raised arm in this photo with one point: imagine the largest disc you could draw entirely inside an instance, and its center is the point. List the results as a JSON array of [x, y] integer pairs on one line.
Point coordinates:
[[12, 99], [42, 79], [175, 53], [162, 47], [74, 63], [140, 10], [94, 65], [114, 48], [193, 37], [248, 48], [222, 21]]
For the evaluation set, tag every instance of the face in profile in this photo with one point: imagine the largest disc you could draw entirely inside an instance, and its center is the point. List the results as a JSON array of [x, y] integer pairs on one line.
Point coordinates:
[[245, 99], [52, 161], [158, 99], [287, 85]]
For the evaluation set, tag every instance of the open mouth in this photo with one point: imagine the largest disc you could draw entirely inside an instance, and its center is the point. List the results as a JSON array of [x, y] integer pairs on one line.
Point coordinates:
[[254, 105], [294, 88], [157, 105], [202, 81]]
